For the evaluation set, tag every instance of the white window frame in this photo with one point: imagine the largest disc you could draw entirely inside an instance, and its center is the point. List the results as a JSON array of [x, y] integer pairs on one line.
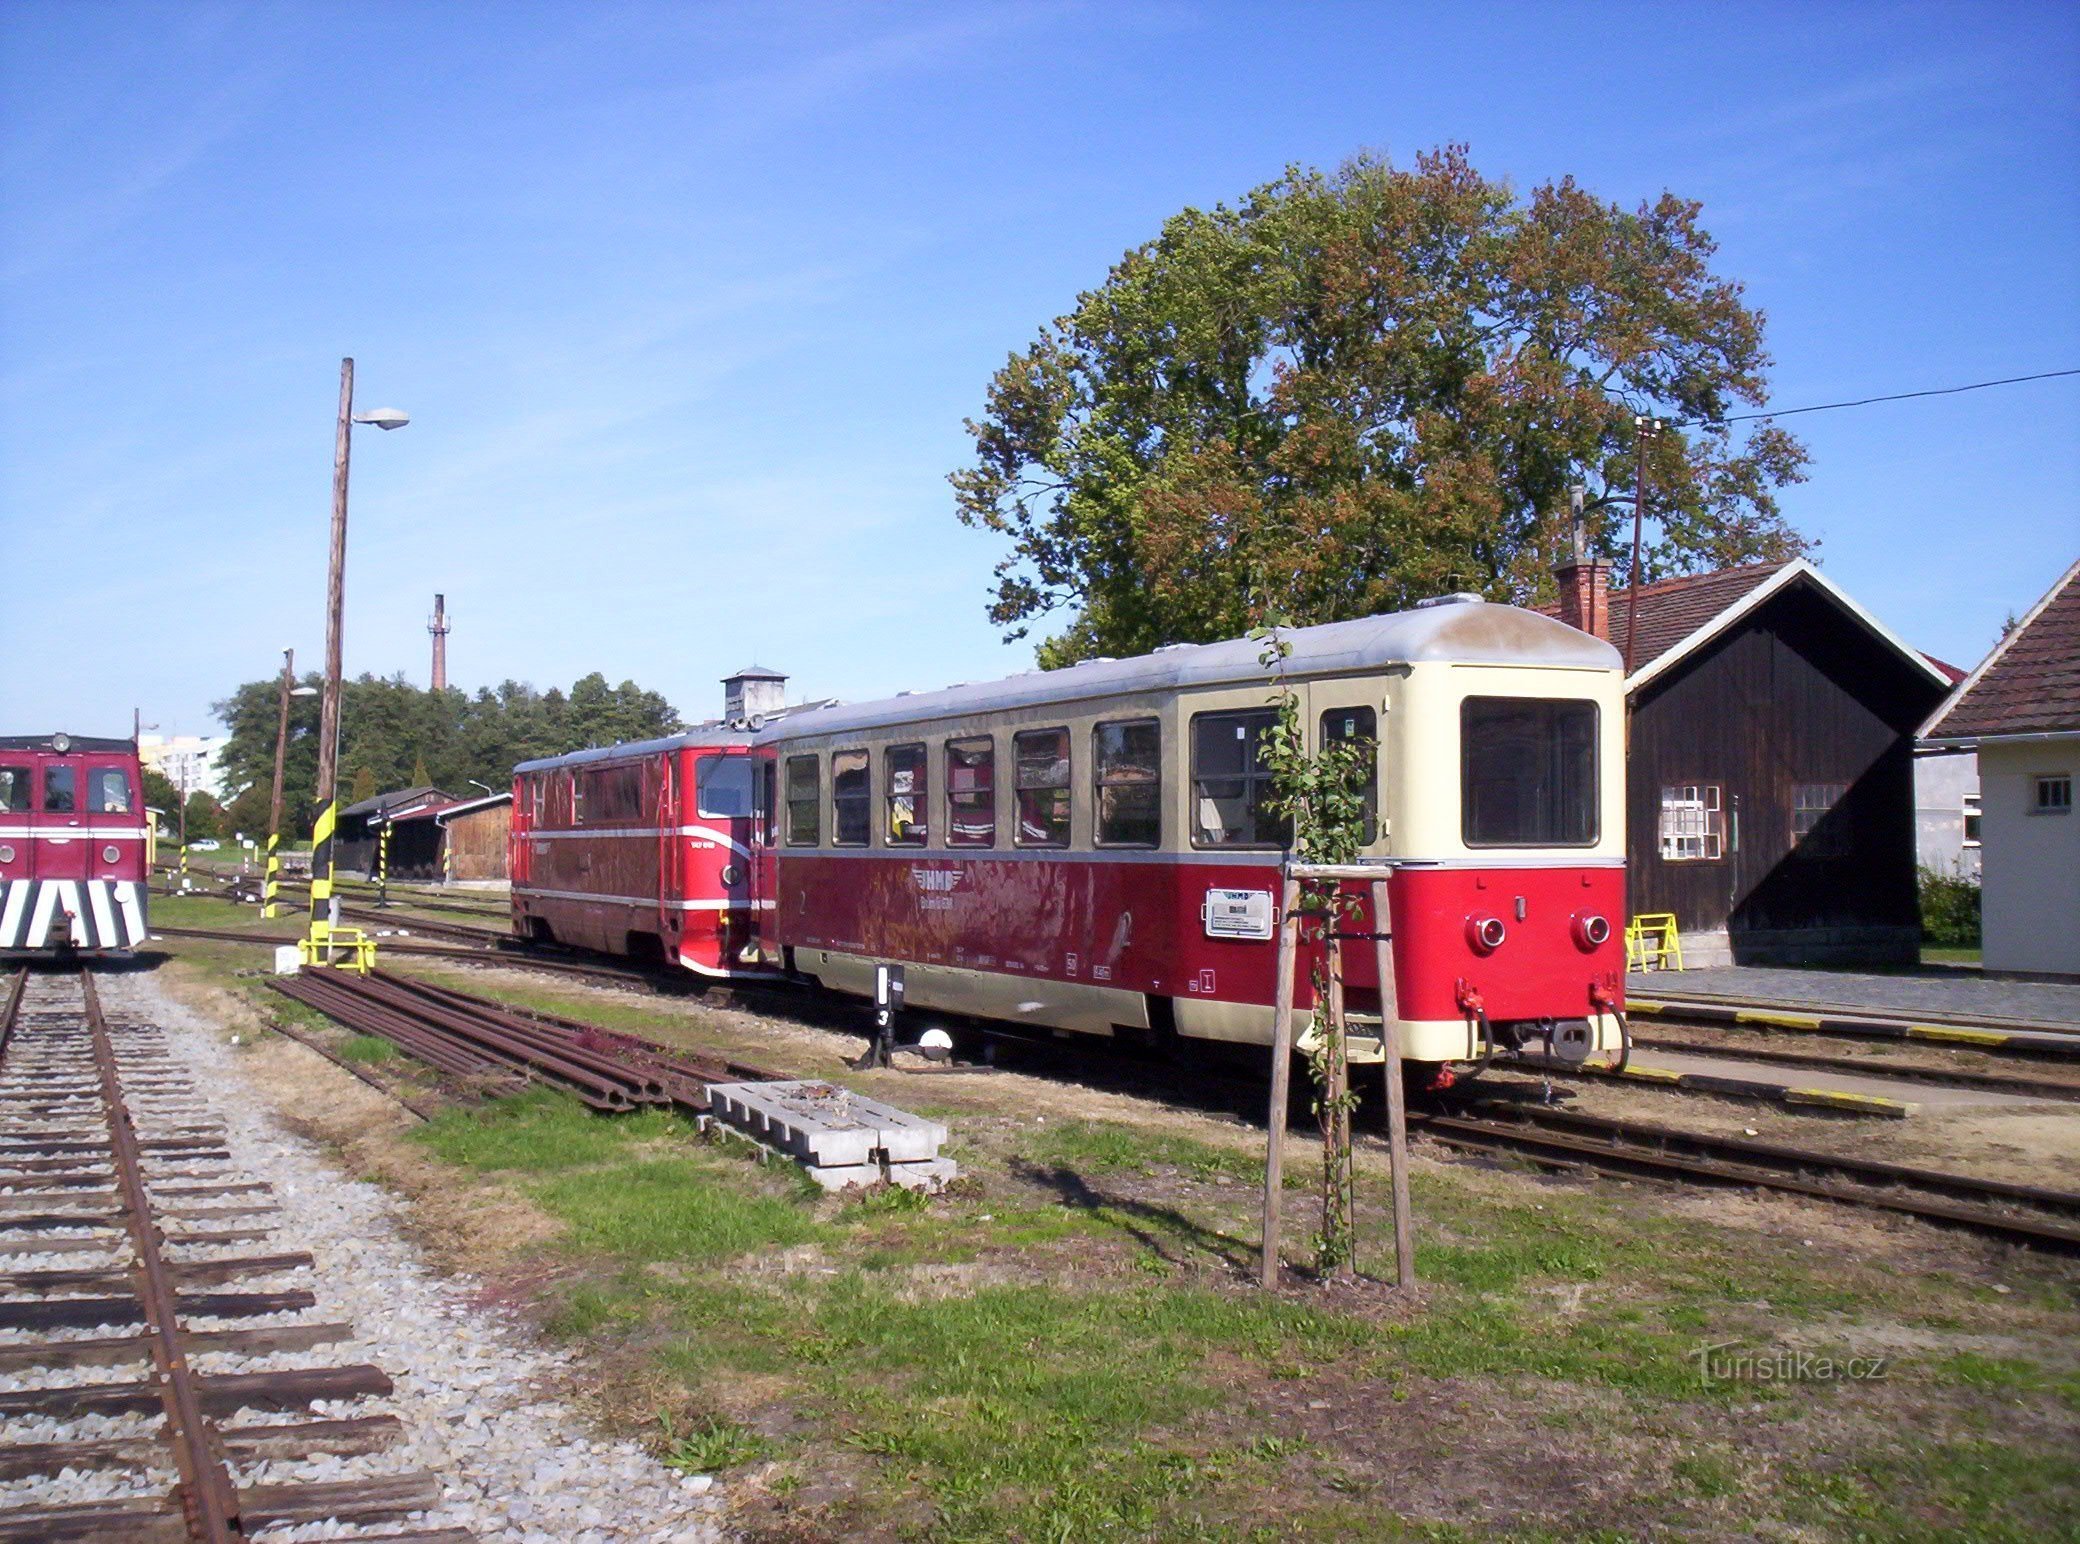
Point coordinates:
[[1971, 810], [1692, 826], [2044, 783]]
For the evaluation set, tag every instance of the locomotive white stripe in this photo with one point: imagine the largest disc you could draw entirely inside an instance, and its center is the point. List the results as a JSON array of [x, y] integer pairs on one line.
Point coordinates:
[[129, 896], [67, 833], [709, 832], [642, 900], [11, 915], [104, 917], [49, 893]]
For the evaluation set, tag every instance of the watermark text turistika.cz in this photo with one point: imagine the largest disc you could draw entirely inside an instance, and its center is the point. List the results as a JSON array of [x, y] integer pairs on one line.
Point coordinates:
[[1727, 1362]]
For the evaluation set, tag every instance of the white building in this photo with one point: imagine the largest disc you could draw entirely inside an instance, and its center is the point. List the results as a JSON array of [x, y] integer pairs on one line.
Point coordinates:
[[188, 761], [2020, 710], [1946, 812]]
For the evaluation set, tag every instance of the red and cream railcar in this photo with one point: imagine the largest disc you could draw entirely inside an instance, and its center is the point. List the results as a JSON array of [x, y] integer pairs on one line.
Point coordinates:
[[643, 849], [74, 845], [1091, 849]]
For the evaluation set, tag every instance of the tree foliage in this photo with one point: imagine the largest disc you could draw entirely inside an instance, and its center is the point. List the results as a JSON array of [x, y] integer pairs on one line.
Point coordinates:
[[1358, 389], [394, 735]]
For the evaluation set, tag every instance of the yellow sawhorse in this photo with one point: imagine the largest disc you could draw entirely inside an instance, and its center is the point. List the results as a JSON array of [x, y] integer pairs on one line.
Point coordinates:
[[1653, 942], [356, 945]]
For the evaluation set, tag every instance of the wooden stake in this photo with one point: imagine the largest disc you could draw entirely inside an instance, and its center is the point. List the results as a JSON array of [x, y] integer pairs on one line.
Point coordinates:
[[1281, 1071], [1397, 1097], [1336, 1127]]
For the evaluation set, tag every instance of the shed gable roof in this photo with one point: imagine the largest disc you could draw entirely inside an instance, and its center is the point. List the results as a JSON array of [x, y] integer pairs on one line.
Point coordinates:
[[2030, 683]]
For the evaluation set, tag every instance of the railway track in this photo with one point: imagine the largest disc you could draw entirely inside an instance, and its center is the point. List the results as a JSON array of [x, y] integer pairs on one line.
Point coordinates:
[[1983, 1082], [145, 1305]]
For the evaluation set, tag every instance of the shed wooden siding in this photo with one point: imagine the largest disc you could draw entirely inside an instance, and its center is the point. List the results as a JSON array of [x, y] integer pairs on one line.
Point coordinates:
[[477, 842], [1795, 693]]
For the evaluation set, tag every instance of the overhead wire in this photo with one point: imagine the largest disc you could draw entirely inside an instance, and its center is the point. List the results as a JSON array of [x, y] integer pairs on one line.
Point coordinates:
[[1896, 396]]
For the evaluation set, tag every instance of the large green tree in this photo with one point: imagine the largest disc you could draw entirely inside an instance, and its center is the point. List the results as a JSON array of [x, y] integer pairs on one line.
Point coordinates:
[[1354, 390]]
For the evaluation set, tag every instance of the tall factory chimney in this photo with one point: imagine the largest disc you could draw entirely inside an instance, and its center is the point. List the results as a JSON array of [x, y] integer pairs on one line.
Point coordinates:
[[437, 624]]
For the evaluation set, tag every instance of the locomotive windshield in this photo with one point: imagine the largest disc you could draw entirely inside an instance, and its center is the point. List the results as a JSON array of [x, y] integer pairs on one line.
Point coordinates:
[[1528, 772], [723, 785]]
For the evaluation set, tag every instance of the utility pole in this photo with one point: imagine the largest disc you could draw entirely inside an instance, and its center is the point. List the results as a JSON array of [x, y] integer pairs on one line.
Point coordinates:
[[328, 707], [270, 887], [438, 626], [1643, 429]]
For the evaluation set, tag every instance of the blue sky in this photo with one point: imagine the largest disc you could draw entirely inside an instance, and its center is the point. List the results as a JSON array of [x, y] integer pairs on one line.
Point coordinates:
[[688, 301]]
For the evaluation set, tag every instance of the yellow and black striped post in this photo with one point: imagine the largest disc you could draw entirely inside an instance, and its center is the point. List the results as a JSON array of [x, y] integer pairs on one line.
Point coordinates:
[[321, 883], [271, 885], [383, 866]]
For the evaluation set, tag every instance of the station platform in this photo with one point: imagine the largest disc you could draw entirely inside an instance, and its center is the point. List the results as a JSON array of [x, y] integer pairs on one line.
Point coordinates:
[[1848, 1093], [1950, 995]]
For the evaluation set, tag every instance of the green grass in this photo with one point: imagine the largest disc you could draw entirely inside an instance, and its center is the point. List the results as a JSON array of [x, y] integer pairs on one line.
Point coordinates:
[[368, 1048], [708, 1445]]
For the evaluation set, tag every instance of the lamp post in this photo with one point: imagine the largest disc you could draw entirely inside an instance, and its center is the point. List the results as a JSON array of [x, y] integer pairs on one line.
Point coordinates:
[[319, 944], [270, 889]]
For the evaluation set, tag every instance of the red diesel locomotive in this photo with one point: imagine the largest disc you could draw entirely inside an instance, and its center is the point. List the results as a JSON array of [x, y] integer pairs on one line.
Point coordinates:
[[74, 845], [1091, 849]]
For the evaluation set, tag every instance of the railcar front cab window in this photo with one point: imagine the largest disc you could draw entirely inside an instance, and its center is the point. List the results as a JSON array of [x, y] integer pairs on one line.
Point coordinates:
[[971, 792], [1043, 787], [14, 790], [903, 767], [724, 786], [60, 790], [804, 802], [1231, 781], [852, 799], [1528, 772], [108, 791], [1127, 772]]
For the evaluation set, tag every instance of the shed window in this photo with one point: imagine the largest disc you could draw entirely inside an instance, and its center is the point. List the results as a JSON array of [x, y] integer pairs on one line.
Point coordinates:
[[971, 792], [2054, 794], [1128, 774], [904, 766], [804, 802], [108, 791], [1971, 820], [724, 786], [1231, 782], [852, 798], [1812, 832], [1527, 772], [1043, 787], [1359, 727], [1693, 823], [14, 789], [60, 790]]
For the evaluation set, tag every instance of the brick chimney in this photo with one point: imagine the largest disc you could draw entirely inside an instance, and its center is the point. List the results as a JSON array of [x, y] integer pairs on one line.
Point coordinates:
[[1585, 584]]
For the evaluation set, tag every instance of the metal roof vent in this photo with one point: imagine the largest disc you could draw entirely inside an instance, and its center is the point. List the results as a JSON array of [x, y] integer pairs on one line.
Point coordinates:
[[1456, 598], [1166, 648]]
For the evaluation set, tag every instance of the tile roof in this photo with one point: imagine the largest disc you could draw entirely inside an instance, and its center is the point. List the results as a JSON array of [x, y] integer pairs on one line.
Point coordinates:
[[2030, 683], [1670, 610]]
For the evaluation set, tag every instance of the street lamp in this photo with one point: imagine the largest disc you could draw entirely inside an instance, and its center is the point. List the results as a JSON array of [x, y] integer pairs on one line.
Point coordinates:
[[485, 786], [270, 888], [319, 944]]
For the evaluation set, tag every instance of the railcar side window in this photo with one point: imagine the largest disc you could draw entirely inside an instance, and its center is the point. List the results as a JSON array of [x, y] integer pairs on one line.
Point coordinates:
[[1527, 772], [1129, 780], [908, 795], [852, 798], [723, 786], [108, 791], [971, 792], [610, 796], [1359, 727], [804, 802], [60, 790], [1043, 787], [14, 789], [1231, 782]]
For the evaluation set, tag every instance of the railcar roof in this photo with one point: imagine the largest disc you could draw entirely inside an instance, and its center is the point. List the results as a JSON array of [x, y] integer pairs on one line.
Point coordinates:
[[695, 737], [1455, 631], [80, 742]]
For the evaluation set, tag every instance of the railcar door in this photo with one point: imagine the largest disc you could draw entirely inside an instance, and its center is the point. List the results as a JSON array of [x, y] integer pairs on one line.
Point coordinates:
[[17, 813], [63, 840]]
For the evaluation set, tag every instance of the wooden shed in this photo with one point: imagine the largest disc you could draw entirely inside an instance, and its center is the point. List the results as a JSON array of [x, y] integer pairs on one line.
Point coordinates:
[[476, 836], [1769, 766]]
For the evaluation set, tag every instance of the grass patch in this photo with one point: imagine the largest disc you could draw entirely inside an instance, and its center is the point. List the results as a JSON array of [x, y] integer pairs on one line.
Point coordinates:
[[1105, 1147], [367, 1048], [709, 1445], [671, 1209]]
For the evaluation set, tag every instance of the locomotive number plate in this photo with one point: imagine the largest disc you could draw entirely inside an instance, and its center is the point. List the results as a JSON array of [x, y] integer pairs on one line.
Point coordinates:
[[1237, 913]]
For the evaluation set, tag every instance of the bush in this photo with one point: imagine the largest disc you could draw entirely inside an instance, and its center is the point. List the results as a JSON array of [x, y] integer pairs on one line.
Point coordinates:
[[1949, 909]]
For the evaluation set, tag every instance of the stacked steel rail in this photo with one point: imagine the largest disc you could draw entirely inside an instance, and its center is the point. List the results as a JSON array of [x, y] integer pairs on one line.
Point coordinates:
[[108, 1155], [488, 1045]]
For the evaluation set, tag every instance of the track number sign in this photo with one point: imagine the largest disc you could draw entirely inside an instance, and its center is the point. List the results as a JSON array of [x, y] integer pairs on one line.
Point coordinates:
[[1237, 913]]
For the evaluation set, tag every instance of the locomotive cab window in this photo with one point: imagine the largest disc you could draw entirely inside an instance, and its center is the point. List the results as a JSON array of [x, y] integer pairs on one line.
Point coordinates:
[[14, 789], [1528, 772], [108, 791], [852, 798], [804, 798], [1359, 727], [1043, 787], [904, 768], [971, 792], [724, 786], [1128, 778], [60, 790], [1231, 782]]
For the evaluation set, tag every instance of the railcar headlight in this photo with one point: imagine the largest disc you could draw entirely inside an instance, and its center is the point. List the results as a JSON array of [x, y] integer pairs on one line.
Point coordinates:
[[1485, 934], [111, 854], [6, 854], [1591, 931], [729, 874]]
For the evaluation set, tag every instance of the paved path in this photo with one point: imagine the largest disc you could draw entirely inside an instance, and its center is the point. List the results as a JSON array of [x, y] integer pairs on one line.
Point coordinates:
[[1945, 992]]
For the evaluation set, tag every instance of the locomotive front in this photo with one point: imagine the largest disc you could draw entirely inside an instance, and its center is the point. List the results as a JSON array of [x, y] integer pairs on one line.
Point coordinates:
[[73, 845], [1509, 888]]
